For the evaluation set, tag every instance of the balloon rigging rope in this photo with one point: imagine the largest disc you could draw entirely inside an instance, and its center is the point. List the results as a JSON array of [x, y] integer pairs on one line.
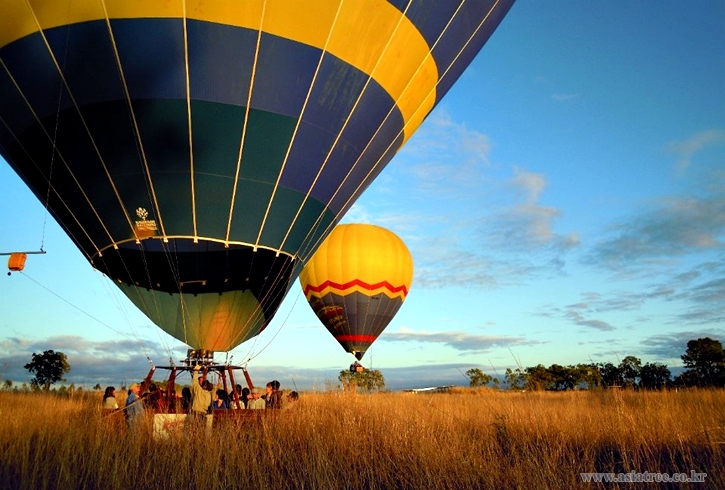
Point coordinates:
[[278, 278], [55, 140], [191, 158], [284, 322], [112, 292], [137, 340], [37, 119], [188, 121]]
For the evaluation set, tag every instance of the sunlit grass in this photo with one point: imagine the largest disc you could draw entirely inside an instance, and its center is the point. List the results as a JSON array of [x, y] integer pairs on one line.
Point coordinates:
[[463, 439]]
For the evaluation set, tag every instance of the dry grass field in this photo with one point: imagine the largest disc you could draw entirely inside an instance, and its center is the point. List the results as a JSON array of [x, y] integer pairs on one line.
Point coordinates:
[[463, 439]]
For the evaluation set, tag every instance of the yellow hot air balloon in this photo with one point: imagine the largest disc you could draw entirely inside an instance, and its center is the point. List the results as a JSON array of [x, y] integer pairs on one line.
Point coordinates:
[[356, 282]]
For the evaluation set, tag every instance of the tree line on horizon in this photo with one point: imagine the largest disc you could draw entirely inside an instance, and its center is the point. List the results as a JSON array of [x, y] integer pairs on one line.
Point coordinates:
[[704, 362], [50, 366]]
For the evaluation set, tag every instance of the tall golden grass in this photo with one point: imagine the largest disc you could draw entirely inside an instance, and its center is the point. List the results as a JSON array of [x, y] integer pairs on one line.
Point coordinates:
[[463, 439]]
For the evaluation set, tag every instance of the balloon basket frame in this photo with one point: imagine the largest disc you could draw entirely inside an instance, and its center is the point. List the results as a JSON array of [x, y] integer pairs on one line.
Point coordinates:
[[203, 361]]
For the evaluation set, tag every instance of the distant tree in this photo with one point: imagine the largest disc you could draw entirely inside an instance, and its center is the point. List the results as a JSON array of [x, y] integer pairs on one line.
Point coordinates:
[[538, 378], [8, 384], [516, 379], [564, 377], [705, 361], [629, 369], [476, 377], [97, 387], [590, 375], [368, 380], [654, 376], [48, 368], [611, 374]]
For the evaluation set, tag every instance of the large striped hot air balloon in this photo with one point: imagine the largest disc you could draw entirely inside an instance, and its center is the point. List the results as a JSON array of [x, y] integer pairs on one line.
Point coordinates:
[[198, 152], [356, 282]]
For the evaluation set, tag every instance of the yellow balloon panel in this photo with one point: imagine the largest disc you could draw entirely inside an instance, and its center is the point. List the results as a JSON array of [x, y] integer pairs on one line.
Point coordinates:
[[360, 257], [217, 322]]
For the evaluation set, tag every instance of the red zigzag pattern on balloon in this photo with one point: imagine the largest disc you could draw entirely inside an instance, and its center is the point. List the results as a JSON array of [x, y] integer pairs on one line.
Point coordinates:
[[357, 282]]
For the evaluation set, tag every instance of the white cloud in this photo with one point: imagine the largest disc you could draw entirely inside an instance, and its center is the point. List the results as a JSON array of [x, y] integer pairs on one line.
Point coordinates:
[[579, 319], [532, 184], [526, 225], [672, 227], [441, 133], [461, 341], [105, 362], [686, 149]]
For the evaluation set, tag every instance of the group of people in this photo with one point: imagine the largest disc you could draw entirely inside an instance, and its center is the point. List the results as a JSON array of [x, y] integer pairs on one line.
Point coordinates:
[[200, 399], [202, 390]]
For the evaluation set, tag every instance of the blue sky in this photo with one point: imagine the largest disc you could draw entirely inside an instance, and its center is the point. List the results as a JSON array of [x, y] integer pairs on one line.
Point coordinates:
[[565, 203]]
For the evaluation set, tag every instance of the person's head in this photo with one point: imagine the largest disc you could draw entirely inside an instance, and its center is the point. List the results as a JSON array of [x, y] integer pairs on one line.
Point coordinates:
[[245, 391], [221, 394], [238, 389], [275, 385], [293, 396], [110, 391], [255, 393], [269, 387], [134, 388], [186, 392], [207, 385]]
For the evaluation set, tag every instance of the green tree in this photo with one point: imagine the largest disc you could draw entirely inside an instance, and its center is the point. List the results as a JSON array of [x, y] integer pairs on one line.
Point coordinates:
[[48, 368], [476, 377], [539, 378], [516, 379], [589, 374], [629, 369], [611, 374], [705, 360], [564, 377], [368, 380], [8, 385], [654, 376]]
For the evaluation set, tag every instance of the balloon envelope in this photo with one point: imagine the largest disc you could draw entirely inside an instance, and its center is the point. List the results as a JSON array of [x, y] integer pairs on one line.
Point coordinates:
[[356, 282], [197, 152]]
